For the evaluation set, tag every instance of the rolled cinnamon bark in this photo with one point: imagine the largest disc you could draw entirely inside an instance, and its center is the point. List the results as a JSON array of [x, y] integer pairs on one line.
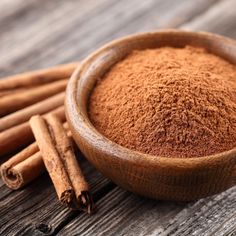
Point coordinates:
[[52, 160], [20, 135], [65, 147], [60, 162], [23, 167], [14, 102], [14, 138], [37, 77], [12, 91], [24, 114]]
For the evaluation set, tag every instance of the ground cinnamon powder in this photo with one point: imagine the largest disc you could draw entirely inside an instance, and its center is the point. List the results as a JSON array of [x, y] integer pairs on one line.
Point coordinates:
[[168, 102]]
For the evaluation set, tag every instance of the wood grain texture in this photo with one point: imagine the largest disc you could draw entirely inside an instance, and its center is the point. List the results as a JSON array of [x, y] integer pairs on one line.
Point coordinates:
[[37, 34], [207, 216], [128, 214], [82, 29], [219, 19], [124, 214]]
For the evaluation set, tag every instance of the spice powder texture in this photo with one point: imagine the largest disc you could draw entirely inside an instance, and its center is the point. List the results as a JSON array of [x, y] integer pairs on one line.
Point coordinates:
[[170, 102]]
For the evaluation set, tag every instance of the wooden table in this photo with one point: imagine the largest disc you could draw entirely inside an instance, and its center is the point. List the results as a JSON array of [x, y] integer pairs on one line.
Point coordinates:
[[42, 33]]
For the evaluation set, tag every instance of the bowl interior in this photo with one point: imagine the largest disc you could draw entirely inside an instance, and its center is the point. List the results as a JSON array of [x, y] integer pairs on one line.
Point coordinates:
[[95, 66], [101, 61]]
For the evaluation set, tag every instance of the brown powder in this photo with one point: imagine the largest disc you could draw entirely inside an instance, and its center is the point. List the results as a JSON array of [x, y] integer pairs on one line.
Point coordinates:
[[168, 102]]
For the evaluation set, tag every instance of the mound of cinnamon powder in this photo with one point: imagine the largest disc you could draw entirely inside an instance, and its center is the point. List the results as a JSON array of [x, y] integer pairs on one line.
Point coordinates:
[[168, 102]]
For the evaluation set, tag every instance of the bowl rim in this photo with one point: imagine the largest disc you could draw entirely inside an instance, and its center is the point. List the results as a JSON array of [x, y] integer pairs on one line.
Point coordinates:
[[114, 149]]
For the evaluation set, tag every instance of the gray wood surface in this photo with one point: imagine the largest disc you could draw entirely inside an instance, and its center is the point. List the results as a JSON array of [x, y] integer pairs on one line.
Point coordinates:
[[41, 33]]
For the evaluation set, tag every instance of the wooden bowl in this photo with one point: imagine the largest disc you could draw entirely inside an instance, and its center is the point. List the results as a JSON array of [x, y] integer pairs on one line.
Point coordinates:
[[157, 177]]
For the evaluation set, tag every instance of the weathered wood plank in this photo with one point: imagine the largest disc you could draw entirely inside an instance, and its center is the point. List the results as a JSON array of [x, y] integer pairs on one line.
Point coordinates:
[[103, 22], [38, 26], [123, 213], [220, 18], [50, 38], [164, 16], [13, 8], [205, 217]]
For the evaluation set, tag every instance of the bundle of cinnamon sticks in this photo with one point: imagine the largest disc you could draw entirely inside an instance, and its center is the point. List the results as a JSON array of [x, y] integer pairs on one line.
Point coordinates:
[[32, 133]]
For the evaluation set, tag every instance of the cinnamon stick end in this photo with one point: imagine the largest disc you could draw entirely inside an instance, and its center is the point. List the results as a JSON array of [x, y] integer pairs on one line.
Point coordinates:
[[66, 197], [11, 178], [85, 202]]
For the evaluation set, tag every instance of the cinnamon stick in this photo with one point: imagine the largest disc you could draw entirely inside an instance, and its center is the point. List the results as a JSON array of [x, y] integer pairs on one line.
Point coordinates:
[[21, 135], [37, 77], [60, 162], [23, 167], [12, 91], [24, 114], [14, 102]]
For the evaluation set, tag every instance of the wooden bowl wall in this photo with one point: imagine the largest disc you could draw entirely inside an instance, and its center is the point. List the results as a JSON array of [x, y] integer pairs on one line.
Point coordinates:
[[181, 179]]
